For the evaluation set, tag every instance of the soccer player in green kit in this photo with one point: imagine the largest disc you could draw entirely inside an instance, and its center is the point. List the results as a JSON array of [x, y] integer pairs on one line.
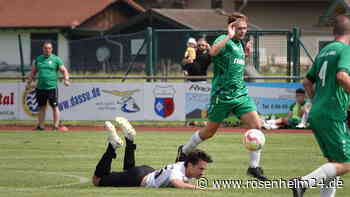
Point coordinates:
[[46, 67], [229, 93], [328, 84]]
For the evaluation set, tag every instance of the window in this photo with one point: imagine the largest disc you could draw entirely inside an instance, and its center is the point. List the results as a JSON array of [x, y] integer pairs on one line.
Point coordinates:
[[215, 4]]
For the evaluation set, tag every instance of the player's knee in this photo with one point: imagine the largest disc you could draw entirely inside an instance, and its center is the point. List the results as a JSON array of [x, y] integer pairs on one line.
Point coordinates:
[[347, 167], [207, 133], [96, 180], [254, 125]]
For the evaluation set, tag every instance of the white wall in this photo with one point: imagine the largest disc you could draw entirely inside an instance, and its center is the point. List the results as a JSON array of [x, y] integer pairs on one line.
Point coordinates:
[[9, 49], [63, 49]]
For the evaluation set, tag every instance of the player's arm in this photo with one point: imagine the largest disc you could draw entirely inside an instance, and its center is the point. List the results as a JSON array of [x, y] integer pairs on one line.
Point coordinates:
[[343, 70], [310, 79], [32, 73], [301, 112], [309, 87], [343, 79], [231, 29], [178, 183], [65, 74], [248, 49]]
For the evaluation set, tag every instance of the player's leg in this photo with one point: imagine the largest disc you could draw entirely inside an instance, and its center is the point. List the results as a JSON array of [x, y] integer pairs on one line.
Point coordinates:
[[303, 120], [53, 101], [129, 134], [293, 122], [275, 123], [216, 114], [41, 98], [333, 138], [328, 190], [201, 135], [246, 110], [132, 175], [103, 175]]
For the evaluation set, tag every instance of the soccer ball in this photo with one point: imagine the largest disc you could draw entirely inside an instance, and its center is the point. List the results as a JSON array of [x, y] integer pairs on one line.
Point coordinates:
[[253, 139]]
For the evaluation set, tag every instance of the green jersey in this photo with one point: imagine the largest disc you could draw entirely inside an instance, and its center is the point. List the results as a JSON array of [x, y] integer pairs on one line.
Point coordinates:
[[228, 69], [47, 69], [330, 99]]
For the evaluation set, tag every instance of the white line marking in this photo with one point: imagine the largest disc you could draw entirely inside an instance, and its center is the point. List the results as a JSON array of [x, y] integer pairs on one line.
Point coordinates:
[[81, 181]]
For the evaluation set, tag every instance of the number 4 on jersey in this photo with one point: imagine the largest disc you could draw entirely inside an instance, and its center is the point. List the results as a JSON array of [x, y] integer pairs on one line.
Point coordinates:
[[322, 73]]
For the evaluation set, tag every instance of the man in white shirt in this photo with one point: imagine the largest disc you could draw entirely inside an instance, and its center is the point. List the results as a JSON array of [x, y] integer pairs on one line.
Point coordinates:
[[175, 175]]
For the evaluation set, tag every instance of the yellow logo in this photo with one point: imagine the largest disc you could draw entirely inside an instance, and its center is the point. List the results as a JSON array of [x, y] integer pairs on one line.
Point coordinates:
[[29, 103]]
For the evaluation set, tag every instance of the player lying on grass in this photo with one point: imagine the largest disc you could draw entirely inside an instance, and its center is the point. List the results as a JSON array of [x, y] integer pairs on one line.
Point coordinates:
[[174, 175]]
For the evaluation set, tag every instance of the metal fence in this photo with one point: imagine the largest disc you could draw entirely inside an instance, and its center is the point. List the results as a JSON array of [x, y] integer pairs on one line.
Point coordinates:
[[158, 52], [109, 54], [275, 52]]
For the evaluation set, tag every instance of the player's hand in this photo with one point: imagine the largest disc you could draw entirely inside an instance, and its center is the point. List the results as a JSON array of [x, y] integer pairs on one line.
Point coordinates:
[[248, 48], [28, 85], [231, 29], [207, 46], [66, 82]]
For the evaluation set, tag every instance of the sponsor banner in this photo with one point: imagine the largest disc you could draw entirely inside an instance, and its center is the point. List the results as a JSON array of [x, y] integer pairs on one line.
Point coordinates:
[[273, 98], [9, 101], [164, 101], [92, 101], [136, 101], [197, 99], [270, 98]]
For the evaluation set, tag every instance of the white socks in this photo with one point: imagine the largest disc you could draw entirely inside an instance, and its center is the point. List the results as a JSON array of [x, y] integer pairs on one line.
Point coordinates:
[[325, 172], [254, 158], [328, 191], [192, 143]]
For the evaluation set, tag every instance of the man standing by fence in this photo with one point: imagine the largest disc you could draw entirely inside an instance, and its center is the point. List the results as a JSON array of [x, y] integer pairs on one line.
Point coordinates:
[[47, 67]]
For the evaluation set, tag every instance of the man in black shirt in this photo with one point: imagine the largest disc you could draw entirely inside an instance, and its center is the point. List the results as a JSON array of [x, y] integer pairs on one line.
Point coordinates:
[[200, 65]]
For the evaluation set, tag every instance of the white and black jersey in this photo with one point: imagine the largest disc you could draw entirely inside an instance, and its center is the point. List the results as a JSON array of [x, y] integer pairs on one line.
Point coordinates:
[[162, 177]]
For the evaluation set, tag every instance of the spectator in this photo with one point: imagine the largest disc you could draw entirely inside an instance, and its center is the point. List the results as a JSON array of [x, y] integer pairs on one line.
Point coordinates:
[[199, 66], [46, 67], [297, 116], [190, 53]]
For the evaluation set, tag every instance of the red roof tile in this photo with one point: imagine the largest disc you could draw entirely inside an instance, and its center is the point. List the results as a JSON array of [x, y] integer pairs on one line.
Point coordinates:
[[52, 13]]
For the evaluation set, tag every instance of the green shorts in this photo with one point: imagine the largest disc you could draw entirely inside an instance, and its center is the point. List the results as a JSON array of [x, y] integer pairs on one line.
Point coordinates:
[[293, 122], [218, 110], [333, 138]]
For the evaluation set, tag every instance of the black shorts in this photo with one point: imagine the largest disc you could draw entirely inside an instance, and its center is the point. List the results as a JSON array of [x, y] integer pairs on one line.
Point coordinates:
[[42, 96], [129, 178]]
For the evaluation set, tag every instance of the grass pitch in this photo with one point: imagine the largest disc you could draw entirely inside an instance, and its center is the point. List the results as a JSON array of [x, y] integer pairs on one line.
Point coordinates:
[[34, 163]]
